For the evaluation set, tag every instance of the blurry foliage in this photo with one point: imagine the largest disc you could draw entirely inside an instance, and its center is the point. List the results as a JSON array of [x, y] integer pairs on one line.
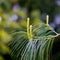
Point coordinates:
[[4, 36], [45, 6], [4, 4], [1, 58], [4, 39]]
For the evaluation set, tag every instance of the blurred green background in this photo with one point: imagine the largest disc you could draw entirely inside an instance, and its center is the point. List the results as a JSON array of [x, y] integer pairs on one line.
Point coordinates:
[[33, 9]]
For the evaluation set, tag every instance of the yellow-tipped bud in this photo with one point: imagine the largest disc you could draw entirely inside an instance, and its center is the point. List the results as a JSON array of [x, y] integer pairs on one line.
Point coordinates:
[[47, 19], [28, 27]]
